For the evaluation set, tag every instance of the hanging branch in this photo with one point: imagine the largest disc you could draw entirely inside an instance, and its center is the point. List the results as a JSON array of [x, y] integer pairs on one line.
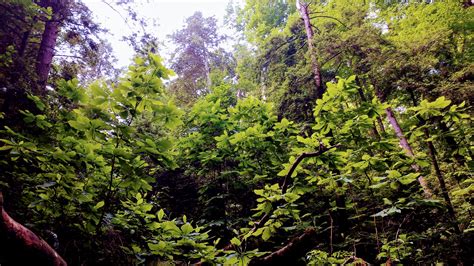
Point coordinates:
[[22, 240]]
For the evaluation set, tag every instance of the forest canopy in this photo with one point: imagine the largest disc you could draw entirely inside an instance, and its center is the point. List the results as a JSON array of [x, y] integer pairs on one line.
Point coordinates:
[[319, 132]]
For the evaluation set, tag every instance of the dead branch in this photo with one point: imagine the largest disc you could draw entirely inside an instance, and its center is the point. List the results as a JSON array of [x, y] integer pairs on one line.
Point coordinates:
[[288, 254]]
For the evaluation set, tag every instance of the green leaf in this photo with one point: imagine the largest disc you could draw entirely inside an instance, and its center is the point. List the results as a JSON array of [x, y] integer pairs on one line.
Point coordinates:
[[160, 214], [99, 205], [235, 241], [387, 212], [407, 179], [186, 228], [266, 234]]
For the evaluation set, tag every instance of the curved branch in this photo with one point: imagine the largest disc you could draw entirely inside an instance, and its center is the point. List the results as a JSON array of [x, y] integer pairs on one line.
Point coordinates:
[[336, 19], [21, 240], [284, 186], [298, 160]]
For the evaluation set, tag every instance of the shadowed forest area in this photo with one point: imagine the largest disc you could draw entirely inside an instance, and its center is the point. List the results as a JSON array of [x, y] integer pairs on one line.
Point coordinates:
[[299, 132]]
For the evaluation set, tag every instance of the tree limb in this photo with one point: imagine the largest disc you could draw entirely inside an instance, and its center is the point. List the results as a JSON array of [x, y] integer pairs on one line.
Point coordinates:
[[336, 19], [284, 186], [294, 250], [23, 241], [298, 160]]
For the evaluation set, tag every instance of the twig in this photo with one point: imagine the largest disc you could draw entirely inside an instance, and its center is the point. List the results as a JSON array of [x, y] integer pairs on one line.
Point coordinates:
[[331, 233], [376, 234]]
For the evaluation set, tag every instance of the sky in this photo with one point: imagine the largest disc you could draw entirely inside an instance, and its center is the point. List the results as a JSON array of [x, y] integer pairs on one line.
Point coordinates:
[[169, 15]]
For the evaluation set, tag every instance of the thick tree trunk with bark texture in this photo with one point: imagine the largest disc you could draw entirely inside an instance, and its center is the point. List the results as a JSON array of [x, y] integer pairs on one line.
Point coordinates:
[[303, 9], [20, 246], [48, 41]]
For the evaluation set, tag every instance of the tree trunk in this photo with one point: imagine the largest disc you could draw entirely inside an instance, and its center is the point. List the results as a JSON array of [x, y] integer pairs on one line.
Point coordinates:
[[380, 123], [304, 13], [48, 42], [23, 247], [406, 146], [441, 180]]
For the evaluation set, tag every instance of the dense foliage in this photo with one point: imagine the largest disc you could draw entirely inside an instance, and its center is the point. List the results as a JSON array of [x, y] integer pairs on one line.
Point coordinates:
[[239, 160]]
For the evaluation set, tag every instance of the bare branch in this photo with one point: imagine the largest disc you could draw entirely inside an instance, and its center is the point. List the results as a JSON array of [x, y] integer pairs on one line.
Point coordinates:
[[338, 20]]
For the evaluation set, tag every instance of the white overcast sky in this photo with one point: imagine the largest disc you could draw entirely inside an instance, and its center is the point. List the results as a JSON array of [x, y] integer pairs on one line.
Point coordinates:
[[169, 14]]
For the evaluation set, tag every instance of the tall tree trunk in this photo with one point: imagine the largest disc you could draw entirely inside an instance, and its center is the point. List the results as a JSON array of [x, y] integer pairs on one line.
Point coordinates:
[[434, 162], [442, 183], [208, 73], [406, 146], [48, 42], [303, 9]]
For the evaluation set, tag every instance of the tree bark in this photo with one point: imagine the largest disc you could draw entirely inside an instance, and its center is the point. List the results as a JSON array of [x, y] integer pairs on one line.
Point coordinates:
[[406, 146], [304, 13], [48, 42], [22, 245]]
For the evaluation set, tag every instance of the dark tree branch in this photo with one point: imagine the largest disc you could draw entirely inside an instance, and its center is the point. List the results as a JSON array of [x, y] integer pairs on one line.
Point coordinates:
[[332, 57], [284, 186], [336, 19], [288, 254], [298, 160]]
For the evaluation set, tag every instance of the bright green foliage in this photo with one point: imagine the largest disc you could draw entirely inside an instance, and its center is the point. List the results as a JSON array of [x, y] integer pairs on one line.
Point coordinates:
[[261, 18], [373, 177], [85, 161], [257, 163], [233, 146]]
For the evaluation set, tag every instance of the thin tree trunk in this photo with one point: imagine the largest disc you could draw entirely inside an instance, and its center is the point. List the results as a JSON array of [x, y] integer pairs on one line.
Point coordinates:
[[304, 13], [24, 43], [46, 53], [434, 161], [208, 75], [379, 121], [452, 145], [406, 146], [442, 183]]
